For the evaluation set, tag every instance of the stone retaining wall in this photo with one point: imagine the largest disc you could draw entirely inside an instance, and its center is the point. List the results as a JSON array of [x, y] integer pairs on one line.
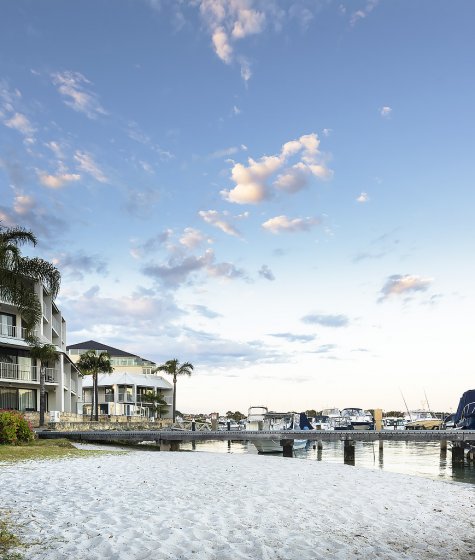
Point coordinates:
[[108, 425]]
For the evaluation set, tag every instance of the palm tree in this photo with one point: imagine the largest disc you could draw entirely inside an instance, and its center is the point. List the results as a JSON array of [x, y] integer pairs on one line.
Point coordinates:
[[90, 363], [45, 353], [173, 367], [17, 274]]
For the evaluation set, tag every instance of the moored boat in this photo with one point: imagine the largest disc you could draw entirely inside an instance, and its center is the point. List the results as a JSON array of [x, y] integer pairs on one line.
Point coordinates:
[[358, 418], [422, 420], [260, 419]]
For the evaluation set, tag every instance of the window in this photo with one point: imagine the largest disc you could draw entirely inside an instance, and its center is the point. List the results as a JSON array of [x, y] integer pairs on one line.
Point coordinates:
[[19, 399], [7, 324]]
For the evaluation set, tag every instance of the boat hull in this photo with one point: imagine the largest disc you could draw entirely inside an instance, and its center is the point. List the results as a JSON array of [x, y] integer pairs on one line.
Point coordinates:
[[273, 445]]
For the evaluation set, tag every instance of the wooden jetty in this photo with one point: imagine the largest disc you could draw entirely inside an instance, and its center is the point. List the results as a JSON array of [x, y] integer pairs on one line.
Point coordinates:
[[168, 439]]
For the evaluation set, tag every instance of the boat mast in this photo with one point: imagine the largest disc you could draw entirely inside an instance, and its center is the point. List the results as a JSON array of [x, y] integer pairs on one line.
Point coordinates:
[[405, 403]]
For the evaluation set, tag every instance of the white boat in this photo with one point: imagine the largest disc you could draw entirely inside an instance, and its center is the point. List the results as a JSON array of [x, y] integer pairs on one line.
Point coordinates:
[[394, 423], [335, 421], [422, 420], [260, 419], [359, 419]]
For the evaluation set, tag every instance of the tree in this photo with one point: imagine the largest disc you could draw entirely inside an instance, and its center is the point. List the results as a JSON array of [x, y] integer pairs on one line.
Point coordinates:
[[17, 274], [158, 403], [90, 363], [45, 354], [173, 367]]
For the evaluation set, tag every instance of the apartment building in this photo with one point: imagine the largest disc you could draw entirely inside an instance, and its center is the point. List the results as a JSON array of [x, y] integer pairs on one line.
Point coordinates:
[[126, 391], [20, 376]]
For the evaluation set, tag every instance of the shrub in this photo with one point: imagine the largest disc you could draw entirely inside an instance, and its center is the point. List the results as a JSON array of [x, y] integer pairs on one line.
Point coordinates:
[[14, 428]]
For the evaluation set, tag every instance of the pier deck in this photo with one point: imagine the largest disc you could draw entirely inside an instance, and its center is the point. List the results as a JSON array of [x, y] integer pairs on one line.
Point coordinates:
[[136, 436]]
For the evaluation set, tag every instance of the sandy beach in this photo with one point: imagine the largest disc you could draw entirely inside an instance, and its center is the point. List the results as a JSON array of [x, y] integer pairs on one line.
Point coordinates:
[[206, 506]]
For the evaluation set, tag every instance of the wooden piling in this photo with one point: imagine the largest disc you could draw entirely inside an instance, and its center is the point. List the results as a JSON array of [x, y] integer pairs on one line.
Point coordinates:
[[287, 447], [319, 444], [378, 419], [457, 453], [349, 452]]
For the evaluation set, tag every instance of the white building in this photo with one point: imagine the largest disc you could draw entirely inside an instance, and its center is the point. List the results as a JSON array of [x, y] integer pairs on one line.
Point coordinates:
[[127, 390], [20, 377]]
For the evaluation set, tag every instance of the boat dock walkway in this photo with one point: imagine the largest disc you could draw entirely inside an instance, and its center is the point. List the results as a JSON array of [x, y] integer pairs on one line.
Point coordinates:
[[170, 439]]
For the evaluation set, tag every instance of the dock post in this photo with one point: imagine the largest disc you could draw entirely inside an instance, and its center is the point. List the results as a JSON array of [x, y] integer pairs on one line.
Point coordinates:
[[287, 447], [457, 453], [443, 448], [165, 445], [471, 455], [378, 419], [319, 444], [193, 426], [174, 445], [349, 452]]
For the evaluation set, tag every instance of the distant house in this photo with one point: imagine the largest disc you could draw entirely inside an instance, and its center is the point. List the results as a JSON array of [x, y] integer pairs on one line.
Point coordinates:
[[20, 375], [127, 390]]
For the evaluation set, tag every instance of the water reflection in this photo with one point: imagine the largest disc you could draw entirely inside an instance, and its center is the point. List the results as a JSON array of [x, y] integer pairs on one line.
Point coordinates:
[[426, 459]]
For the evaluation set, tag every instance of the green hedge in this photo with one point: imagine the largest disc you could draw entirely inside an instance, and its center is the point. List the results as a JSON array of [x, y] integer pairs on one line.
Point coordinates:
[[14, 428]]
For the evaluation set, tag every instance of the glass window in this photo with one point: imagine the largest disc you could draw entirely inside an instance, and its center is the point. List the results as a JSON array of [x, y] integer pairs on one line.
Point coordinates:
[[8, 398], [7, 324], [27, 399]]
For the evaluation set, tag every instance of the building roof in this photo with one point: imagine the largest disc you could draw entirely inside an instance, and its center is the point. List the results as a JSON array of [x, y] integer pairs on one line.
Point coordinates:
[[140, 379], [93, 345]]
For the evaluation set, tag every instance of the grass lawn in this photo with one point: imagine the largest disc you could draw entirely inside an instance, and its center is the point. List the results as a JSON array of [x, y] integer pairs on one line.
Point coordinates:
[[42, 449]]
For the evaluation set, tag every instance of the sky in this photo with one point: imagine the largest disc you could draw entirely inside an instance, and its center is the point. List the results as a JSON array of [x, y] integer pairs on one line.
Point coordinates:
[[279, 192]]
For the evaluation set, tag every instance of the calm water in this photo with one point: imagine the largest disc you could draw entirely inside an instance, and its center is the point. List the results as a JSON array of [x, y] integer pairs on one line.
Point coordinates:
[[415, 458]]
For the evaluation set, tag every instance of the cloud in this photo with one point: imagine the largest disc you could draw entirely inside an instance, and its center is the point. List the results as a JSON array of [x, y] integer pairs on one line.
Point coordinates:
[[363, 197], [193, 238], [78, 264], [20, 123], [290, 337], [252, 182], [205, 311], [26, 211], [73, 87], [281, 224], [385, 112], [179, 270], [87, 164], [229, 22], [358, 15], [324, 349], [334, 321], [400, 285], [266, 272], [57, 181], [222, 221]]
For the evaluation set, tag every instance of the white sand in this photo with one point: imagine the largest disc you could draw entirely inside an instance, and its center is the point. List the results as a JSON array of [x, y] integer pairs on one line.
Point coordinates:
[[206, 506]]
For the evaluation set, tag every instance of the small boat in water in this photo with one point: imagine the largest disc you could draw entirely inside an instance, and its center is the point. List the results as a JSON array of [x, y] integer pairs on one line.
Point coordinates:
[[260, 419], [358, 418]]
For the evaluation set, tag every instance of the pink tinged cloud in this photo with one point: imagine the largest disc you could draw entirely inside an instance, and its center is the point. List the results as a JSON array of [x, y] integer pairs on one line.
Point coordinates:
[[399, 285], [283, 224], [57, 181]]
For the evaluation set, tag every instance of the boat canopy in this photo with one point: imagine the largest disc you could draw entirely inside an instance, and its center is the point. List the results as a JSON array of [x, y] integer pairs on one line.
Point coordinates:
[[467, 398]]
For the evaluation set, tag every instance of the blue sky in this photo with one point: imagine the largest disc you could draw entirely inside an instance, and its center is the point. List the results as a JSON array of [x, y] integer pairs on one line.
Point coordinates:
[[280, 192]]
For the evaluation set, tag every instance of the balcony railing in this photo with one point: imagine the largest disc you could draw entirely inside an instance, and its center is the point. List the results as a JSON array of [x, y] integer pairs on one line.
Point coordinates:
[[123, 397], [10, 331], [146, 399], [15, 372]]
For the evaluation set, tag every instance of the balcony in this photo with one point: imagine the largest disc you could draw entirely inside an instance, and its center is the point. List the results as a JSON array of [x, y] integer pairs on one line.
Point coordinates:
[[125, 398], [15, 372], [56, 325], [10, 331], [146, 399]]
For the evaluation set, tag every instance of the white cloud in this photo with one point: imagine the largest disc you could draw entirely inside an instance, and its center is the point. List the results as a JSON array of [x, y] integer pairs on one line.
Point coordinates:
[[221, 221], [192, 238], [363, 197], [21, 123], [73, 87], [385, 111], [252, 181], [398, 285], [87, 164], [230, 21], [281, 224], [358, 15], [57, 181]]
